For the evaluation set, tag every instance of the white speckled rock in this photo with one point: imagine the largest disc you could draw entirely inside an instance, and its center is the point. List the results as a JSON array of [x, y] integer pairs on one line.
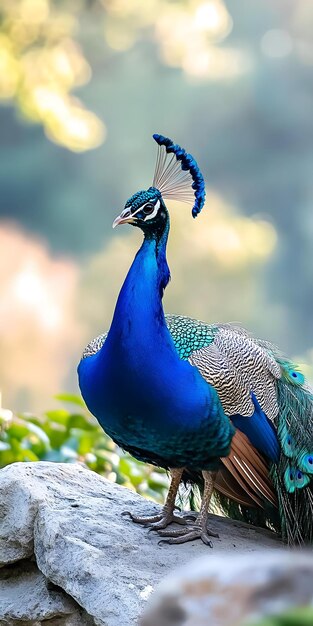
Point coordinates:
[[70, 519], [231, 590]]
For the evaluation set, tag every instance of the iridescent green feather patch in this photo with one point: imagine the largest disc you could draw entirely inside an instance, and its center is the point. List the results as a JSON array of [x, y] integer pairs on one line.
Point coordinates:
[[189, 335]]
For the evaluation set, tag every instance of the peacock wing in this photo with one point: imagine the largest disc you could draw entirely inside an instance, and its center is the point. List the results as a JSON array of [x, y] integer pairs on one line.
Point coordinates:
[[94, 345], [242, 368], [237, 366]]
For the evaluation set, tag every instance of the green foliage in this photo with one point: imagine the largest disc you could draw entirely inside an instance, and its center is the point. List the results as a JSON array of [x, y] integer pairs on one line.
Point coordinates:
[[74, 436], [299, 617]]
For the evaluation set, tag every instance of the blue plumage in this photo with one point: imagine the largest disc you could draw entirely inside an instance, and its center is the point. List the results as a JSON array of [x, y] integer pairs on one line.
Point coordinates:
[[260, 431], [140, 197], [207, 402]]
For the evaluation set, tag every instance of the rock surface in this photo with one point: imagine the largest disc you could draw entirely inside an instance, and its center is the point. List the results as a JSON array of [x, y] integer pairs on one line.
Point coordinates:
[[68, 519], [25, 596], [233, 590]]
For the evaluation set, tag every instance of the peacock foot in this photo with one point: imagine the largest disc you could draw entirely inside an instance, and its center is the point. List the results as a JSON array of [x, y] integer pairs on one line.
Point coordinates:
[[156, 522], [190, 533]]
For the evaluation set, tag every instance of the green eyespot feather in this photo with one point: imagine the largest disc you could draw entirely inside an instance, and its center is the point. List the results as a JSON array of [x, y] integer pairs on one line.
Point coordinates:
[[305, 462], [286, 441], [292, 374], [295, 479]]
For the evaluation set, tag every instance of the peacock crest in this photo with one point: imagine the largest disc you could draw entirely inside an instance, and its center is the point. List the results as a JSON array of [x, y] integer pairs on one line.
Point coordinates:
[[177, 174]]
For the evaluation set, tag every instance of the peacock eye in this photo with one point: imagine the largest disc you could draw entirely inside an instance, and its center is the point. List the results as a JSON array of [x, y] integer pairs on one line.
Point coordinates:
[[148, 208]]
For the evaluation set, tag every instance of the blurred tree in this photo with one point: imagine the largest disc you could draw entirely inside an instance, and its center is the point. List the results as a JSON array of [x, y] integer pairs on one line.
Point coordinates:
[[40, 64]]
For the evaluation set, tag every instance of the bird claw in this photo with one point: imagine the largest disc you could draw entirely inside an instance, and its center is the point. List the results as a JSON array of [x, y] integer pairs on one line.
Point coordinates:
[[190, 533], [156, 522], [145, 521], [165, 521], [190, 517]]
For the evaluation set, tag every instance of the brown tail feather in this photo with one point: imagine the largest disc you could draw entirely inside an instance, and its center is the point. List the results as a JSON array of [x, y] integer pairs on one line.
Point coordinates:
[[245, 475], [227, 485]]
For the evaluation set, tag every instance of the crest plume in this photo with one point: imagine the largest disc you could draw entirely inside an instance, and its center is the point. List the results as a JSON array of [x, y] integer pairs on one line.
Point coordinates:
[[177, 175]]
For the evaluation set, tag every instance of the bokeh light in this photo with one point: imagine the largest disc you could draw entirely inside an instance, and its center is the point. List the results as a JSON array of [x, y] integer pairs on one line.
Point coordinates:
[[37, 295], [40, 64]]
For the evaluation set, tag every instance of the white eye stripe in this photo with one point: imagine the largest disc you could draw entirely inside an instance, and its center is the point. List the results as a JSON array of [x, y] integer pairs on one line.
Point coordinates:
[[154, 213], [151, 215], [137, 211]]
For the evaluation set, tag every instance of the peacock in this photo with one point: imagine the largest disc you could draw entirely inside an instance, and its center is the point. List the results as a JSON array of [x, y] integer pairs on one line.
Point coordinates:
[[208, 402]]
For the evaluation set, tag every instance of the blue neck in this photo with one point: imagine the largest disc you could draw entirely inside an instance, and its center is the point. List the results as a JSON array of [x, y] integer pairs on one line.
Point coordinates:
[[139, 309]]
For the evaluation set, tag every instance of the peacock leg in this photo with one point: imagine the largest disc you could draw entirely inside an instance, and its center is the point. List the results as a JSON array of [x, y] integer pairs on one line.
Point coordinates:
[[163, 519], [197, 530]]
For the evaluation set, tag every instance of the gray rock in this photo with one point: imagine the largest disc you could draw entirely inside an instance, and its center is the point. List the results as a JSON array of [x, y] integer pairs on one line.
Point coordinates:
[[26, 596], [233, 590], [70, 519]]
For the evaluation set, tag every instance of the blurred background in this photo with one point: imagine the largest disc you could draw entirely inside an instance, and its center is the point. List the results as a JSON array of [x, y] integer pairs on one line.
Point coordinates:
[[83, 85]]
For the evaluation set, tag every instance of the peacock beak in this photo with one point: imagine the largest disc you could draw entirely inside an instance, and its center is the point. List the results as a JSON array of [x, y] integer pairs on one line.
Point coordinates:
[[124, 218]]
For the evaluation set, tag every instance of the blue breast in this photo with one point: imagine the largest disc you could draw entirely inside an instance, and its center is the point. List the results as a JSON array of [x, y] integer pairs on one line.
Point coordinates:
[[142, 393]]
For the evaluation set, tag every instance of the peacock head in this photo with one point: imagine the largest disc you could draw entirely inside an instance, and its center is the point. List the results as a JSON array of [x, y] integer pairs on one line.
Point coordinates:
[[177, 176], [145, 209]]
